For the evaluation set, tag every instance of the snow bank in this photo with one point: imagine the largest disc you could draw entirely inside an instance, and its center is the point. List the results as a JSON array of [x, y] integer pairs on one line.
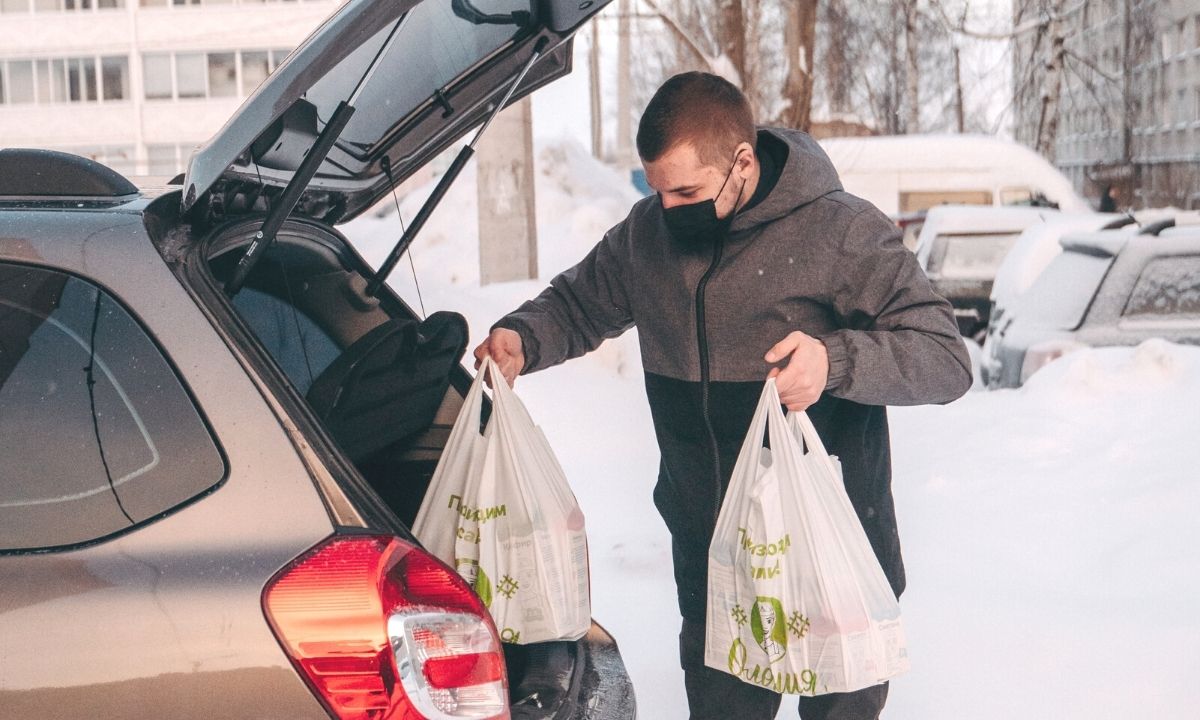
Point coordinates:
[[1051, 542]]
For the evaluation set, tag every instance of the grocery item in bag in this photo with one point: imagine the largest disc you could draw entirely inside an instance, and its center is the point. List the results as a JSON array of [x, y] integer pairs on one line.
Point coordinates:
[[797, 601], [500, 511]]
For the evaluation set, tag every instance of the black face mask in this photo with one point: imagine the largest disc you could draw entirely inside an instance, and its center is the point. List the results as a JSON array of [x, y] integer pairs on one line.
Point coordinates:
[[696, 225]]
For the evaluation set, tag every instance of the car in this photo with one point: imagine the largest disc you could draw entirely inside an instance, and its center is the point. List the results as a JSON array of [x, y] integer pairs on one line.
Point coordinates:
[[218, 422], [960, 249], [907, 174], [1032, 251], [1109, 287]]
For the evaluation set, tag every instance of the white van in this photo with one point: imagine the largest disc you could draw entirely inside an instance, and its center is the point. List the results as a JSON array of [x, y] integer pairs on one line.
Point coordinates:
[[906, 174]]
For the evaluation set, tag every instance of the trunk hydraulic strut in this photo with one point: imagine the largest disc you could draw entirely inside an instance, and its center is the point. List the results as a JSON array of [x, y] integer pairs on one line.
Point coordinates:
[[448, 179], [283, 206]]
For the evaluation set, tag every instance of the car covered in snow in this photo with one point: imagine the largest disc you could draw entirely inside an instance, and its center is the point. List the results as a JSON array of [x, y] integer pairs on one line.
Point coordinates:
[[1033, 250], [907, 175], [218, 421], [1109, 287], [961, 247]]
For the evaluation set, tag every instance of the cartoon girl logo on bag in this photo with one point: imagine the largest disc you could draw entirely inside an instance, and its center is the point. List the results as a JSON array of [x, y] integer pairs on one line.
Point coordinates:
[[768, 627]]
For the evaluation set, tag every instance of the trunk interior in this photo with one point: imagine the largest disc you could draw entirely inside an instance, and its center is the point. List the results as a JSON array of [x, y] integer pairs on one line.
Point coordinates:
[[386, 384]]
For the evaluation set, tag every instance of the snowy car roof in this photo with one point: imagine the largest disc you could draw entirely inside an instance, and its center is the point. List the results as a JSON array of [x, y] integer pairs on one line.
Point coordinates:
[[1004, 161]]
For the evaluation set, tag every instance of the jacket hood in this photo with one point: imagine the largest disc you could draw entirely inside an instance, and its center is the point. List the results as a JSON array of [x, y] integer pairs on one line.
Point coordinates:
[[807, 174]]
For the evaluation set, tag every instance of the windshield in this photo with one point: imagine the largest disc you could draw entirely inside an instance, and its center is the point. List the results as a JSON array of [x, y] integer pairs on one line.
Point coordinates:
[[1061, 295], [433, 47]]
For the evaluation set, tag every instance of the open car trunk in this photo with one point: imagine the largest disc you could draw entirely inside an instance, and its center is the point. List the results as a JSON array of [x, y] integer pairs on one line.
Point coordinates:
[[386, 387]]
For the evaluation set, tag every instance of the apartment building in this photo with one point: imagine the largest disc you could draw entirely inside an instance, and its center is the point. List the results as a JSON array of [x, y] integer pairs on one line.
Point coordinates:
[[137, 84], [1129, 107]]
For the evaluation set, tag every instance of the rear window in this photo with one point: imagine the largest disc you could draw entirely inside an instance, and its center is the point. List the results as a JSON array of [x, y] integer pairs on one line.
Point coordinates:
[[974, 255], [447, 44], [96, 432], [1060, 297], [1167, 287], [924, 199]]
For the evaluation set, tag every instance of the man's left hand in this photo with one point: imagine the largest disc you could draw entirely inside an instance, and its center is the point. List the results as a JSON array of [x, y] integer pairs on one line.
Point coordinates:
[[803, 379]]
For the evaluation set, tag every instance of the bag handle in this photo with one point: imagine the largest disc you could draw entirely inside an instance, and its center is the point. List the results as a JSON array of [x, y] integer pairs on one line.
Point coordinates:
[[812, 441], [473, 402]]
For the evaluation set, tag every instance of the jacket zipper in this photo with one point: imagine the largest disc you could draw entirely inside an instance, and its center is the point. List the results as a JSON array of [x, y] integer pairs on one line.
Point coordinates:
[[702, 341]]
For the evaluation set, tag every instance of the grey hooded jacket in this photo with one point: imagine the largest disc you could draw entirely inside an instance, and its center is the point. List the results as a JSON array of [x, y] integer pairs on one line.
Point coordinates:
[[808, 257]]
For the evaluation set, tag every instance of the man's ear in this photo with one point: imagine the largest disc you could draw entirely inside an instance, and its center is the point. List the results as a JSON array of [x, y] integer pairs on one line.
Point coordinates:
[[746, 158]]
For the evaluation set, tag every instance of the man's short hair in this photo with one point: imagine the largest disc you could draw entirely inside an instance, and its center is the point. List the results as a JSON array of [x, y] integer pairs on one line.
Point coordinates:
[[698, 108]]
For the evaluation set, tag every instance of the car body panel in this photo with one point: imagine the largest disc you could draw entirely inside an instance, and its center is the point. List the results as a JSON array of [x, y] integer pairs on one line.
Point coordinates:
[[173, 606]]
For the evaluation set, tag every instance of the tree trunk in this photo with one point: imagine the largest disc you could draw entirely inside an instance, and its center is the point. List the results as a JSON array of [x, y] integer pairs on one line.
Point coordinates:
[[1047, 135], [958, 92], [912, 71], [799, 37], [733, 37]]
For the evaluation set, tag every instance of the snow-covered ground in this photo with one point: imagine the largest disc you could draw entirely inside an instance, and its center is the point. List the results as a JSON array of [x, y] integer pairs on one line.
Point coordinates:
[[1050, 533]]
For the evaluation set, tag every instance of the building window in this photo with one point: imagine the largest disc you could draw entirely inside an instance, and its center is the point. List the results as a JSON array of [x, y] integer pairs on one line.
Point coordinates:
[[78, 79], [18, 82], [212, 75], [222, 75], [156, 71], [114, 77], [49, 6], [256, 66], [81, 79], [190, 72]]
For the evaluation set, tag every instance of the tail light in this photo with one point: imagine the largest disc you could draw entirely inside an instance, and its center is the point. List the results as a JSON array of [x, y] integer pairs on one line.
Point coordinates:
[[381, 630]]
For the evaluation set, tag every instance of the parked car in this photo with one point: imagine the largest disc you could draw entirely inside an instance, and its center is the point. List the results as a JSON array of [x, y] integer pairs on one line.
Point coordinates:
[[960, 249], [906, 174], [217, 421], [1035, 248], [1109, 287]]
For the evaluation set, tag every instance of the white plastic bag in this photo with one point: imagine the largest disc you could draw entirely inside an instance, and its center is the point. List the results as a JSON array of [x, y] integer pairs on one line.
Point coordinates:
[[500, 511], [797, 601]]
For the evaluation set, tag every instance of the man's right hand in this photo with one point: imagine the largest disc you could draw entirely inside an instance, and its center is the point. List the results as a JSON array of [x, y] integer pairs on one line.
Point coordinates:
[[504, 346]]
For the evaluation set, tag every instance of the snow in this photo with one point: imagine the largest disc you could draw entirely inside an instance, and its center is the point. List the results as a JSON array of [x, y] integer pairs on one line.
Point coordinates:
[[1049, 531]]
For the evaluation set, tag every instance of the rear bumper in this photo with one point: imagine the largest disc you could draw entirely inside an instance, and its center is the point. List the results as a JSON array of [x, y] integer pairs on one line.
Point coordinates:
[[581, 680]]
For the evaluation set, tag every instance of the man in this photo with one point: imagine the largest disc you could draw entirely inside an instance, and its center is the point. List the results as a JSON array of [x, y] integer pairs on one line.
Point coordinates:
[[749, 261]]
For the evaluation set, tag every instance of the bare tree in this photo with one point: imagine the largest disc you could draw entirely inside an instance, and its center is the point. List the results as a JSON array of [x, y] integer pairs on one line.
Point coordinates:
[[890, 62], [799, 28], [743, 41]]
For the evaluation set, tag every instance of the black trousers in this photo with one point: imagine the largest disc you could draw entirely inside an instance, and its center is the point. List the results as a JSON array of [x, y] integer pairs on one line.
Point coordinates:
[[716, 695]]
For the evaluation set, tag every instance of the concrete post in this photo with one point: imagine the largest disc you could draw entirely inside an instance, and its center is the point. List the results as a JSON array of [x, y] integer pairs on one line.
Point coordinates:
[[507, 221]]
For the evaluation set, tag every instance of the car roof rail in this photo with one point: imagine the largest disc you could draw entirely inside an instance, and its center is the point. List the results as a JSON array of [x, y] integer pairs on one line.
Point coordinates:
[[1155, 228], [1123, 221], [31, 173]]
